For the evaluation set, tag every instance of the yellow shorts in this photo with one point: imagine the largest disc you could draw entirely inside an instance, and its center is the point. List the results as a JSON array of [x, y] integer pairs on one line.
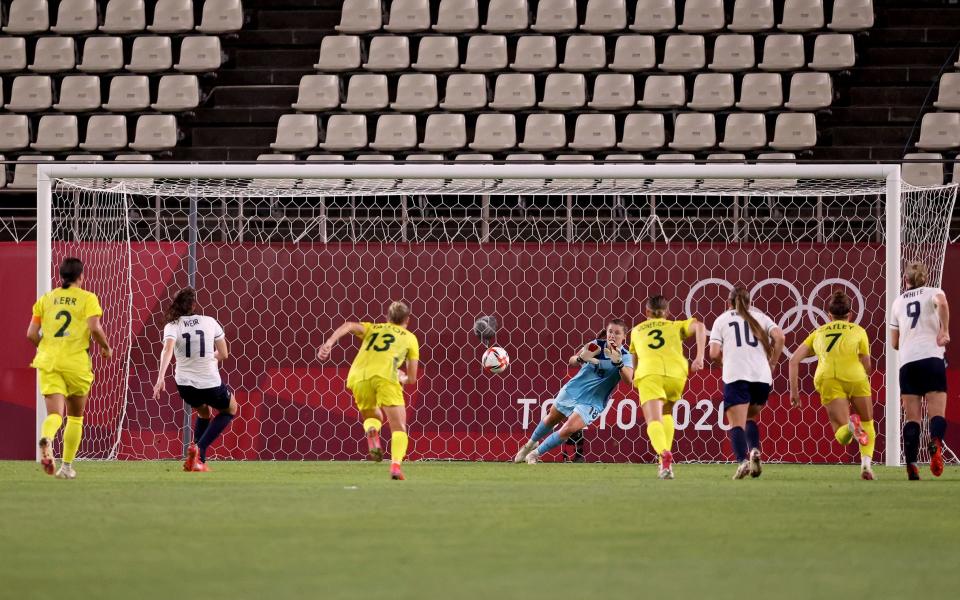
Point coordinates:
[[831, 389], [376, 392], [660, 387], [67, 383]]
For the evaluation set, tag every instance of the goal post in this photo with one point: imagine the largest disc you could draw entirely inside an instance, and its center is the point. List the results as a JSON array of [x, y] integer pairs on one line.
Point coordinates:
[[318, 223]]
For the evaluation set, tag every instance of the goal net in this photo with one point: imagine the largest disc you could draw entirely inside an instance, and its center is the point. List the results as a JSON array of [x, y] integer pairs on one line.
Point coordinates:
[[282, 254]]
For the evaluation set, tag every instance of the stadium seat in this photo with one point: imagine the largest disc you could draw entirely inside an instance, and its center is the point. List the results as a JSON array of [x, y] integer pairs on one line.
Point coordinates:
[[199, 54], [613, 91], [27, 17], [623, 157], [595, 132], [514, 91], [655, 16], [664, 91], [783, 52], [694, 131], [54, 54], [416, 92], [563, 91], [177, 93], [585, 53], [733, 52], [297, 133], [554, 16], [810, 91], [395, 132], [85, 158], [444, 132], [155, 133], [776, 156], [744, 131], [544, 131], [424, 158], [802, 15], [172, 16], [324, 184], [25, 173], [408, 16], [493, 133], [30, 93], [794, 131], [318, 93], [128, 93], [475, 183], [360, 16], [507, 16], [956, 172], [275, 183], [535, 53], [13, 54], [79, 93], [486, 53], [124, 16], [674, 183], [221, 16], [367, 92], [438, 53], [832, 52], [712, 91], [56, 133], [465, 91], [339, 53], [102, 55], [3, 172], [105, 133], [76, 16], [938, 131], [345, 133], [643, 131], [526, 184], [150, 55], [922, 173], [388, 53], [14, 132], [948, 97], [751, 16], [634, 53], [566, 182], [457, 16], [429, 158], [605, 16], [122, 158], [761, 91], [730, 157], [684, 53], [702, 16], [851, 15]]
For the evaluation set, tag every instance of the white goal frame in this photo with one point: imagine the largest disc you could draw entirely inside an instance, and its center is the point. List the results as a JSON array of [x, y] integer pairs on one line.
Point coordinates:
[[887, 173]]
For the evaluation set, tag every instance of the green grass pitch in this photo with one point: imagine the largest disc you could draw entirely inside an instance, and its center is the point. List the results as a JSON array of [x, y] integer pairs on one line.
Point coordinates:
[[463, 530]]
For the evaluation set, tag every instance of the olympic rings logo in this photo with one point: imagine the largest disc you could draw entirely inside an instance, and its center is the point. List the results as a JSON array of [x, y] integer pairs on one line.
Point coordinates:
[[792, 319]]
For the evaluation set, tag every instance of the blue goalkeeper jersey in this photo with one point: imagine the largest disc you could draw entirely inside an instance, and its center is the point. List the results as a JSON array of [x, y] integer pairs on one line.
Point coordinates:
[[594, 383]]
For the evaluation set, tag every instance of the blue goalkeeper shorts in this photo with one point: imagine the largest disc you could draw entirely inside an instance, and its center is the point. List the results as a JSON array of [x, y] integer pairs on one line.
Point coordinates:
[[588, 411]]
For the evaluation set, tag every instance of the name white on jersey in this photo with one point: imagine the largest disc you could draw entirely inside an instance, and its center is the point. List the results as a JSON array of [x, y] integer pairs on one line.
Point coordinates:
[[743, 355], [194, 336], [914, 314]]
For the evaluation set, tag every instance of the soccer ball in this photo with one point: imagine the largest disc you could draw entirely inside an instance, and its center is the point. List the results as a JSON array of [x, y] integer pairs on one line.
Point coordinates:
[[495, 360]]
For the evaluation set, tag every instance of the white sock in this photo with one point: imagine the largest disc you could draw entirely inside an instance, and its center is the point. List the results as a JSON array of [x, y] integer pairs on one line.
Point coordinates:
[[865, 462]]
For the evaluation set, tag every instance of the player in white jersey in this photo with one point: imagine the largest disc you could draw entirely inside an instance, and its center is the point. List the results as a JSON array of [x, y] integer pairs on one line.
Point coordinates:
[[198, 343], [920, 324], [749, 343]]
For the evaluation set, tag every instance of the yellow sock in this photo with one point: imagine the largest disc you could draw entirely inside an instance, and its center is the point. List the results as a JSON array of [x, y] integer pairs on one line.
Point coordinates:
[[867, 450], [51, 425], [668, 431], [657, 437], [844, 435], [398, 446], [371, 422], [71, 438]]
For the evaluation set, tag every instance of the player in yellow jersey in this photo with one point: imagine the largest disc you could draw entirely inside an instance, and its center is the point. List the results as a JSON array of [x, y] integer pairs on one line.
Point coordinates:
[[375, 378], [660, 372], [842, 378], [63, 322]]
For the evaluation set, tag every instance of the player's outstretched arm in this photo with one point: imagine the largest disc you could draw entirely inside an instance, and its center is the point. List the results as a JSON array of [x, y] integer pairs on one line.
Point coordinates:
[[895, 338], [166, 355], [776, 351], [33, 332], [411, 372], [349, 327], [699, 330], [99, 336], [802, 352], [943, 311], [220, 349]]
